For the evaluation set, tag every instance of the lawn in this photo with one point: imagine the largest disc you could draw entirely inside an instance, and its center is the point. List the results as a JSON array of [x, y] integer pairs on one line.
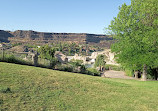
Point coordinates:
[[27, 88]]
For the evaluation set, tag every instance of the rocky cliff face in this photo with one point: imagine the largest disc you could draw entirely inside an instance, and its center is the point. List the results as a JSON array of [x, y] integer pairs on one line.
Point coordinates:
[[4, 35], [33, 36]]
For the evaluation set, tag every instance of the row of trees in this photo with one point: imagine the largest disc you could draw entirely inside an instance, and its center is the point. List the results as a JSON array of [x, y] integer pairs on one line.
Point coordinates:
[[135, 30], [72, 48], [48, 52]]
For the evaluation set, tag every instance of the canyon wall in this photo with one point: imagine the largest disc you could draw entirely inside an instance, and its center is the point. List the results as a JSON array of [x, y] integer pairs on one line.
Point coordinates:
[[34, 36]]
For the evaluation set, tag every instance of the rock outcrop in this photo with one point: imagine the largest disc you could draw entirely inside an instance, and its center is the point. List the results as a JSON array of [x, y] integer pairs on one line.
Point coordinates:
[[34, 36], [4, 35], [109, 56]]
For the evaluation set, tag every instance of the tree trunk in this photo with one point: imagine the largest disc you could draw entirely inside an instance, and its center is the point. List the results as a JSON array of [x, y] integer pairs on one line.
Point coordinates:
[[2, 53], [99, 68], [144, 75], [136, 74], [156, 74]]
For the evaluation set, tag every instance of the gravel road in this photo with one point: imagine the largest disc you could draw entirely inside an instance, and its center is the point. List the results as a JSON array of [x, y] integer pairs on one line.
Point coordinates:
[[116, 74]]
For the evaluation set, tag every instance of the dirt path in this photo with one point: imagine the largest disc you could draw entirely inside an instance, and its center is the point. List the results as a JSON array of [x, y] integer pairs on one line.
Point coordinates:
[[116, 74]]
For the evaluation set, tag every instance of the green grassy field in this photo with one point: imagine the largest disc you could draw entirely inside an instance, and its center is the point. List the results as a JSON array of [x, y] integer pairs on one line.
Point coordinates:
[[26, 88]]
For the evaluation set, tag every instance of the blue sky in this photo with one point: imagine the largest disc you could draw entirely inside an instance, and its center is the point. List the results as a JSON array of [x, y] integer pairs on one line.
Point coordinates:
[[74, 16]]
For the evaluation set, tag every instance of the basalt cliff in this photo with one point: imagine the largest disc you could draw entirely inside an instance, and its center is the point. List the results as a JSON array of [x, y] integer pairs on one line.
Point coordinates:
[[22, 36]]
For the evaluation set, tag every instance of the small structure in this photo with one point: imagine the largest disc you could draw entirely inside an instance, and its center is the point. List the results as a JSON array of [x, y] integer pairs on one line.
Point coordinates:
[[61, 57], [1, 45], [110, 56]]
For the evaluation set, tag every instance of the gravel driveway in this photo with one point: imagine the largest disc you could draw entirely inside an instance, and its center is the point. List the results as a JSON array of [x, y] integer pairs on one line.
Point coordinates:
[[116, 74]]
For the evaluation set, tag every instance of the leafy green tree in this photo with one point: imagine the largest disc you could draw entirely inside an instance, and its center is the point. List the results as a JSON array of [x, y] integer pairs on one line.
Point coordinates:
[[100, 62], [47, 52], [135, 32]]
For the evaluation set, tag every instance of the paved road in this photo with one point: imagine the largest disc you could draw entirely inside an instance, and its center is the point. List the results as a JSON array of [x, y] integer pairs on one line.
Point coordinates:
[[116, 74]]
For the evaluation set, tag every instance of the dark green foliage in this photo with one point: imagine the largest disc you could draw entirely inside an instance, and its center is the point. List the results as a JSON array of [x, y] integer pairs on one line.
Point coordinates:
[[1, 101], [77, 67], [93, 71], [64, 67], [70, 49], [76, 62], [47, 52], [72, 66], [152, 73], [12, 59], [100, 62], [83, 69], [129, 72], [113, 67], [135, 32]]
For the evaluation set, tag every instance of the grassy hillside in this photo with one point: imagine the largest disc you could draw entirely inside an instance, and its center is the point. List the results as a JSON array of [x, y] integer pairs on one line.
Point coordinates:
[[26, 88]]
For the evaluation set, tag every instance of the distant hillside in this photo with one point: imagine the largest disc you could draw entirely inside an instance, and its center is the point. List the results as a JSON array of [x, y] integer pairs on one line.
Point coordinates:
[[43, 37]]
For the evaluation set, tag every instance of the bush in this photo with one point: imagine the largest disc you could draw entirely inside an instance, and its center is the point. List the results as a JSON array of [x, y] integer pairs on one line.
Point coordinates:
[[93, 71], [77, 69], [64, 67], [152, 73], [83, 69], [12, 59], [113, 67], [129, 72], [76, 62]]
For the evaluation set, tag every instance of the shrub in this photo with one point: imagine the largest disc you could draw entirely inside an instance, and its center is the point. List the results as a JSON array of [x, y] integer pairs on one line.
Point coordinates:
[[113, 67], [152, 73], [83, 69], [93, 71], [76, 62], [1, 101], [100, 62], [129, 72], [12, 59], [64, 67]]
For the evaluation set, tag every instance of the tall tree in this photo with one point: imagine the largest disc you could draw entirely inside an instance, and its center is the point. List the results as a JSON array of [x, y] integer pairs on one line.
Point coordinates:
[[48, 52], [135, 31], [100, 62]]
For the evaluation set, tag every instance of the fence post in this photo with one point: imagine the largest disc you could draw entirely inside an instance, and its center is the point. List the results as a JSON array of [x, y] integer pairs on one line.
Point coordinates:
[[35, 59], [2, 53]]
